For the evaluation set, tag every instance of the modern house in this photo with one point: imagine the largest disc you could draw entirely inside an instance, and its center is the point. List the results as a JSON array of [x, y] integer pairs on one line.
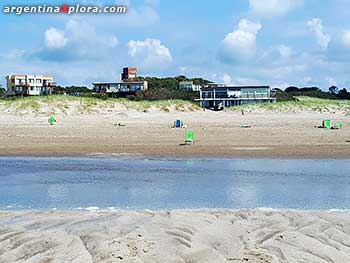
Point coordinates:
[[188, 85], [29, 85], [129, 85], [214, 96]]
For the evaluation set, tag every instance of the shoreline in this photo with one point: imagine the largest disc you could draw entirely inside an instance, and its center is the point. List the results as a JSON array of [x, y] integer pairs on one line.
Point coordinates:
[[138, 156], [301, 152], [95, 209]]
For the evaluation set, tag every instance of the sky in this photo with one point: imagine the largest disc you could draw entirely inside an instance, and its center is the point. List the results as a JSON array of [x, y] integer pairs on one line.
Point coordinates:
[[239, 42]]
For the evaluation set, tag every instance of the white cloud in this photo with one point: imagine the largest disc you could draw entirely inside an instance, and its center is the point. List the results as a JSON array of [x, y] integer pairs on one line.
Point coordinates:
[[226, 79], [272, 8], [55, 38], [316, 27], [285, 52], [76, 42], [241, 43], [331, 81], [346, 38], [150, 54]]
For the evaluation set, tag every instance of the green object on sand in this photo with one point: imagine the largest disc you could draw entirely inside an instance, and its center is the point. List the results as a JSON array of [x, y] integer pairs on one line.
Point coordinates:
[[339, 125], [327, 124], [189, 136], [52, 120]]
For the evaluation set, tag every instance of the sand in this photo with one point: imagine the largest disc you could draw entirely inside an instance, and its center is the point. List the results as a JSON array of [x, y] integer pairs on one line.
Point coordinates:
[[178, 235], [285, 135], [175, 236]]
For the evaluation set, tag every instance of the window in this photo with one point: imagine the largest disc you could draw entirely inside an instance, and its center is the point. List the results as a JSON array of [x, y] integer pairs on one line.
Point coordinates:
[[38, 80], [31, 80], [31, 88]]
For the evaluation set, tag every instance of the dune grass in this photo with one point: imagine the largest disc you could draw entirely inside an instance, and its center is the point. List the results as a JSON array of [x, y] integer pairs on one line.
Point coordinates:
[[62, 103], [300, 104]]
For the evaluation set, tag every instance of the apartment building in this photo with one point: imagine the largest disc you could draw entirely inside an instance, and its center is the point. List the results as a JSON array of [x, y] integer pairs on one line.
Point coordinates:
[[29, 85]]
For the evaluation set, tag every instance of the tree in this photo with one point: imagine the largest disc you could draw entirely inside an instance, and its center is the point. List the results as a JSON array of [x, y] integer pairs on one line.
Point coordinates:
[[2, 92], [292, 89], [333, 90], [344, 94], [180, 78], [283, 96]]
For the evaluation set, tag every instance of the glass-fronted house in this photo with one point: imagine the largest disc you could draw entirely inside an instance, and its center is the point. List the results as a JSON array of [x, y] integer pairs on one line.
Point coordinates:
[[228, 96], [119, 87]]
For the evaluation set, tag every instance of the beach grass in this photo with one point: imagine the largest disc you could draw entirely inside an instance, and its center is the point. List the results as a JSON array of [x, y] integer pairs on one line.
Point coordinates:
[[301, 103], [62, 104]]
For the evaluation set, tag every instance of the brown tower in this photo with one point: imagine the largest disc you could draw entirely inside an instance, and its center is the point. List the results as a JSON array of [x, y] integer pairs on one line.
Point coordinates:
[[129, 74]]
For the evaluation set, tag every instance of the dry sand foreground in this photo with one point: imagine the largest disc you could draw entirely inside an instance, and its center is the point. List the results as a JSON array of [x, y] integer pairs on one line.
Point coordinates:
[[150, 133], [176, 236]]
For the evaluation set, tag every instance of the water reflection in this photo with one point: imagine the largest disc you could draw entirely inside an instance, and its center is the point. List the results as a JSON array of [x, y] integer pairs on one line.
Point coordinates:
[[66, 183]]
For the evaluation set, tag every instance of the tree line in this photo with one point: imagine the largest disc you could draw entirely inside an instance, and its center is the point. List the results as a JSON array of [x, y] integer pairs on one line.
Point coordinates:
[[332, 93], [168, 88], [158, 89]]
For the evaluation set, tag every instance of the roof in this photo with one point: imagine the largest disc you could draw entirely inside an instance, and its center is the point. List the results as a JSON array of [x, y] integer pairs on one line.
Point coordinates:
[[28, 75], [185, 82], [235, 87], [118, 83]]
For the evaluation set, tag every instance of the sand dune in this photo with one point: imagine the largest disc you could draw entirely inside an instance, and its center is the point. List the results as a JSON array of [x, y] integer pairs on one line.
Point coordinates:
[[175, 236]]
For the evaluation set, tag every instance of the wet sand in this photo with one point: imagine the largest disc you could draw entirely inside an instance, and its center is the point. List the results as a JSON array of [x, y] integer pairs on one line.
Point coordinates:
[[175, 236], [217, 134]]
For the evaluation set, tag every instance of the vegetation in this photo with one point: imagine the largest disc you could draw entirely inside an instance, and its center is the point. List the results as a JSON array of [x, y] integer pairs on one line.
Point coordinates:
[[158, 89], [168, 88], [283, 96], [171, 83], [2, 92], [300, 103], [72, 90], [62, 104], [316, 92]]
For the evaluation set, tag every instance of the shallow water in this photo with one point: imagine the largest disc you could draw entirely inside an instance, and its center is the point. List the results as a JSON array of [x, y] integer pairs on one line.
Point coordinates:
[[131, 183]]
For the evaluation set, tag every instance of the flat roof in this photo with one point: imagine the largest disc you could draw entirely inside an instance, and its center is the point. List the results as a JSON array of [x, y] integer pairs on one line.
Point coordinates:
[[116, 83], [236, 87]]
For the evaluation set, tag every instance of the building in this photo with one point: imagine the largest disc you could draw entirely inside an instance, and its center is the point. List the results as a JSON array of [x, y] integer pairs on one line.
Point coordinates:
[[129, 74], [123, 88], [129, 85], [188, 85], [216, 96], [29, 85]]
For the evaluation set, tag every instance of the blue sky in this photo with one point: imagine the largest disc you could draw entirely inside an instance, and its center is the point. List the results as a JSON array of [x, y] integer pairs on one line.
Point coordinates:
[[241, 42]]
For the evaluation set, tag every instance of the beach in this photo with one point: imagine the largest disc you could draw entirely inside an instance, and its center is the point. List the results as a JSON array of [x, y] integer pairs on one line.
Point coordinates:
[[175, 236], [91, 234], [121, 131]]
